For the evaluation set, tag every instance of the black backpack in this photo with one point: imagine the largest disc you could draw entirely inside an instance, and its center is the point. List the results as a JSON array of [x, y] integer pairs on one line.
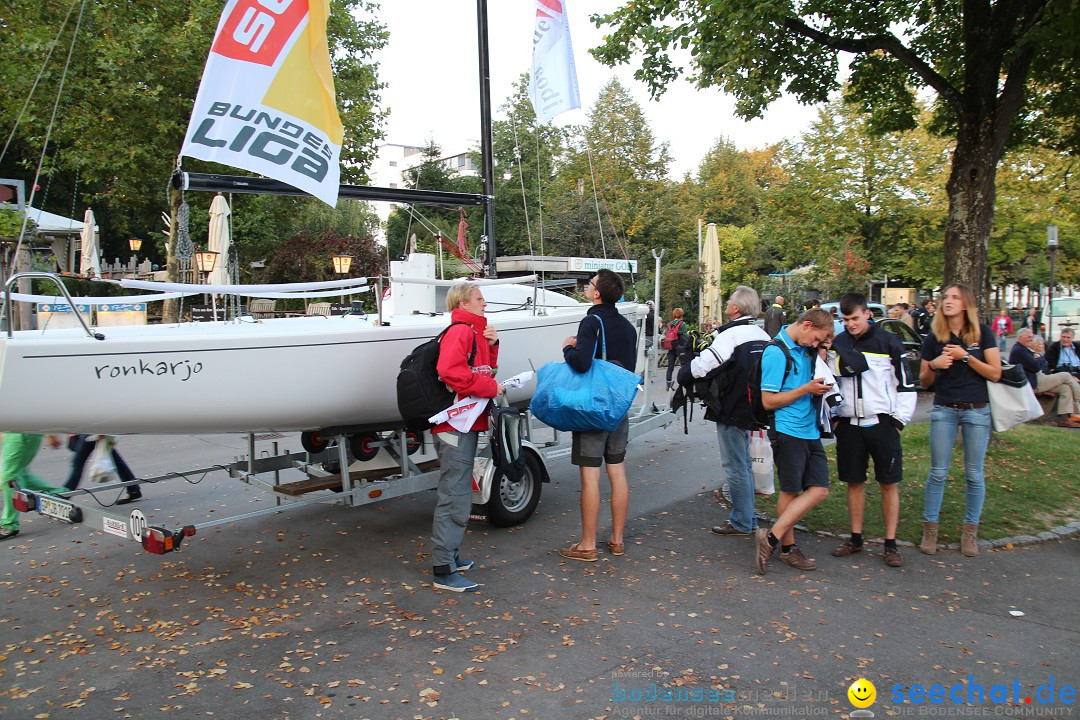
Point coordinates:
[[421, 393], [764, 418]]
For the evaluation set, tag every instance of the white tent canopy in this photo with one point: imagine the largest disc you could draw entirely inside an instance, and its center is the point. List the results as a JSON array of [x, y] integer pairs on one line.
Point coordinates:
[[52, 224]]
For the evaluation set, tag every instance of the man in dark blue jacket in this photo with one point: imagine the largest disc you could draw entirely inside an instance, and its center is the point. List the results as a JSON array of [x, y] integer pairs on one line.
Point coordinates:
[[591, 449], [1062, 384]]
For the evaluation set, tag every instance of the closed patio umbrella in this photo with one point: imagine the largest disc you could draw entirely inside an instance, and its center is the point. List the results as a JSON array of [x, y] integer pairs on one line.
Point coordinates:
[[710, 260], [219, 239], [89, 262]]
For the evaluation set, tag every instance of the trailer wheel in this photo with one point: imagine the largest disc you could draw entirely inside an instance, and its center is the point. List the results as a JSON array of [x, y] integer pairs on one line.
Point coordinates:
[[313, 441], [512, 503], [413, 442], [361, 446]]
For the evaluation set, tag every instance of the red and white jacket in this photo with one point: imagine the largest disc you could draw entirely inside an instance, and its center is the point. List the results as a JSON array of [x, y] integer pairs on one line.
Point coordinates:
[[453, 365]]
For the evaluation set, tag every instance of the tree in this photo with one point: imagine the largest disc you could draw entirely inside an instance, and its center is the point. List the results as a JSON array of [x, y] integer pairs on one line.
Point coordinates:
[[843, 182], [728, 183], [525, 154], [306, 257], [423, 221], [615, 163], [994, 66], [128, 94]]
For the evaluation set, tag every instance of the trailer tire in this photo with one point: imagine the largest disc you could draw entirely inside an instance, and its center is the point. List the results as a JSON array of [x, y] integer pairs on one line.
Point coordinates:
[[512, 503], [361, 446], [313, 441]]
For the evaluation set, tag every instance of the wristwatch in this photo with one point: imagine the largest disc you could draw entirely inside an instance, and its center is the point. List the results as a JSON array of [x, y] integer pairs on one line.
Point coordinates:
[[965, 358]]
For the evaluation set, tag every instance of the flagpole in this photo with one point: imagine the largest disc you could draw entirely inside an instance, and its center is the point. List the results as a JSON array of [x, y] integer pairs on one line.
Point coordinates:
[[487, 167]]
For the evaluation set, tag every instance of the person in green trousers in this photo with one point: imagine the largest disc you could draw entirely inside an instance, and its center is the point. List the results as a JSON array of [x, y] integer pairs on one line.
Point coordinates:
[[19, 451]]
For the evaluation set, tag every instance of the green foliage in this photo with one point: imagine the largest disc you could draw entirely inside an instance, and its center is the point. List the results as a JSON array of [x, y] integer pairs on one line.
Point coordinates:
[[11, 222], [306, 257], [128, 96], [979, 59]]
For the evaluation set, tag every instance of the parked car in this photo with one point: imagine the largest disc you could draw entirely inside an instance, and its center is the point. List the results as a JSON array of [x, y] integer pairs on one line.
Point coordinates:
[[912, 341], [877, 310]]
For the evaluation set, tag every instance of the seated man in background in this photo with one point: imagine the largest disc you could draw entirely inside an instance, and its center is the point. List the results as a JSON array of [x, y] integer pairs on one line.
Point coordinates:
[[1062, 354], [1025, 354]]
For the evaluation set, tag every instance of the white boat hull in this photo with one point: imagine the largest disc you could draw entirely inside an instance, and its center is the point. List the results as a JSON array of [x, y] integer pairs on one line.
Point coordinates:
[[290, 374]]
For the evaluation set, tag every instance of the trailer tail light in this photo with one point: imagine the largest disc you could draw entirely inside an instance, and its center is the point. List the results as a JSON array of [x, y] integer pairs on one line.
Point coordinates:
[[160, 541], [24, 501]]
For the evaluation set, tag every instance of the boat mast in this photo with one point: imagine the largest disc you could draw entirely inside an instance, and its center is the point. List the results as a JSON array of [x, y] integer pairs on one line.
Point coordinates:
[[487, 168]]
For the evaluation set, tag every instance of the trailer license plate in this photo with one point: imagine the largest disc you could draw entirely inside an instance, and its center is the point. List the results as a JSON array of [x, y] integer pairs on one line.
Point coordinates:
[[59, 509]]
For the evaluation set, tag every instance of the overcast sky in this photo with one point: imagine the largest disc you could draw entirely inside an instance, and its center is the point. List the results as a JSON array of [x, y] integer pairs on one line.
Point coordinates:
[[430, 67]]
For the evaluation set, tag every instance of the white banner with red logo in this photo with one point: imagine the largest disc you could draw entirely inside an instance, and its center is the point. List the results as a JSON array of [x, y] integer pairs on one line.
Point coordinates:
[[266, 102], [553, 86]]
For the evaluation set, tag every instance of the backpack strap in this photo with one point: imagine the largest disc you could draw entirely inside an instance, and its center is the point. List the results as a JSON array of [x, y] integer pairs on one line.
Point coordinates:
[[472, 355]]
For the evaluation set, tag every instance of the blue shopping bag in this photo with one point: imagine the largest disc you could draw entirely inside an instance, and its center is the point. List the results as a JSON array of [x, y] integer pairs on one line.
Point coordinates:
[[597, 399]]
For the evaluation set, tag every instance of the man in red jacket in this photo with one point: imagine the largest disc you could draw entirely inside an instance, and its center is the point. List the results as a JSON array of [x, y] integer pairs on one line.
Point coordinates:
[[468, 358]]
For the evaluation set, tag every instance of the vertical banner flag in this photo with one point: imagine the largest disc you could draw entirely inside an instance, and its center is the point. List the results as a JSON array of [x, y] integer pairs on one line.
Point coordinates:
[[266, 102], [553, 86]]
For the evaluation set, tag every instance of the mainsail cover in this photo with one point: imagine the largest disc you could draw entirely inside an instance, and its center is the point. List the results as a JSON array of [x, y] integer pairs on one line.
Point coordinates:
[[266, 102]]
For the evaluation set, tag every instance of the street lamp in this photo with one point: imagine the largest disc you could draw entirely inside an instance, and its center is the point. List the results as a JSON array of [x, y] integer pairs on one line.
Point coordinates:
[[342, 263], [205, 260], [1051, 247], [135, 244]]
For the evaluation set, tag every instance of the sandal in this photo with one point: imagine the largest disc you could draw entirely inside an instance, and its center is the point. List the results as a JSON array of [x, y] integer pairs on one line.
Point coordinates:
[[615, 548], [573, 553]]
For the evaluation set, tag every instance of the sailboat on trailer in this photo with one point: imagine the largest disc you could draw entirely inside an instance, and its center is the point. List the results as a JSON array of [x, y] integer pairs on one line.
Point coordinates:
[[330, 374]]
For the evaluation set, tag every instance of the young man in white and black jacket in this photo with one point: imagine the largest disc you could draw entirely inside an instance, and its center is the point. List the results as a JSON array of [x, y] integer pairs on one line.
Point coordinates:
[[734, 419], [878, 401]]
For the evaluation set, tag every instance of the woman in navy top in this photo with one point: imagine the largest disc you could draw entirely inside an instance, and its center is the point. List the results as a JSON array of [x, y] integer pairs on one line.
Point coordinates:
[[959, 356]]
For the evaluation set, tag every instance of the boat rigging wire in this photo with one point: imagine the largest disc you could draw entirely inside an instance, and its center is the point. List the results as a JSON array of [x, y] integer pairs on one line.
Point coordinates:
[[592, 176], [41, 71], [48, 132]]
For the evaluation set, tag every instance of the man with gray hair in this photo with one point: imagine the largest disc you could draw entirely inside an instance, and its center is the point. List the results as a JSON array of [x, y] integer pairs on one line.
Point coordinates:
[[732, 355], [1062, 384]]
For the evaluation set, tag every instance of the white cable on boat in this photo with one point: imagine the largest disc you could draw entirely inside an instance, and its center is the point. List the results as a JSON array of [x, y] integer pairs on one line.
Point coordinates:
[[116, 300], [247, 290], [449, 283], [309, 295]]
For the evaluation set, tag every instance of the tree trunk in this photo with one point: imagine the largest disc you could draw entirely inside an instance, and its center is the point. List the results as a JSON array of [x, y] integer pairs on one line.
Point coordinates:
[[971, 194], [170, 312]]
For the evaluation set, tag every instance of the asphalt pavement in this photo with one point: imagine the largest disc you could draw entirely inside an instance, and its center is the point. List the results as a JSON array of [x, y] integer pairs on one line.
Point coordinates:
[[329, 612]]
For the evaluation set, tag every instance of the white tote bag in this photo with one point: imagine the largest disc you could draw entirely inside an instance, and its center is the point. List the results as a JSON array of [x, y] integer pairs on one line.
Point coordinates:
[[761, 461], [1010, 405]]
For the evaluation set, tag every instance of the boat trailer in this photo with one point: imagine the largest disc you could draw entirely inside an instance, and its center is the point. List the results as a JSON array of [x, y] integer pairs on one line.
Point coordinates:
[[380, 466]]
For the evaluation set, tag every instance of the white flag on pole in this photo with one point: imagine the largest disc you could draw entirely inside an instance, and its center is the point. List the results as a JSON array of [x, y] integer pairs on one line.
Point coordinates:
[[553, 86], [266, 102]]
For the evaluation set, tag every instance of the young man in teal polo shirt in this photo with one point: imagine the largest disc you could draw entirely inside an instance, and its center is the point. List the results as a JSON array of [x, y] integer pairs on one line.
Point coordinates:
[[800, 459]]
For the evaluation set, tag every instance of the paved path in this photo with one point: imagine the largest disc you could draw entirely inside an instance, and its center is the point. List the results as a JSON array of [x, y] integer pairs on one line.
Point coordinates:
[[327, 612]]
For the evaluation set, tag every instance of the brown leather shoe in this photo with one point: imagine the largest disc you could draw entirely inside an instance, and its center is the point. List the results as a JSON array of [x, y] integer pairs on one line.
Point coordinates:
[[846, 548], [616, 548], [574, 553], [797, 560], [893, 558], [1066, 422], [1075, 418], [762, 549], [729, 529]]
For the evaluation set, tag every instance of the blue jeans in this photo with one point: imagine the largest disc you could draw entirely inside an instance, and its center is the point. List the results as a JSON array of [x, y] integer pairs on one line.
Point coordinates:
[[944, 422], [735, 459]]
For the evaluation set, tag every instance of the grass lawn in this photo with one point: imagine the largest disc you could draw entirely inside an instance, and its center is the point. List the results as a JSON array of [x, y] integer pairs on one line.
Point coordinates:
[[1031, 486]]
